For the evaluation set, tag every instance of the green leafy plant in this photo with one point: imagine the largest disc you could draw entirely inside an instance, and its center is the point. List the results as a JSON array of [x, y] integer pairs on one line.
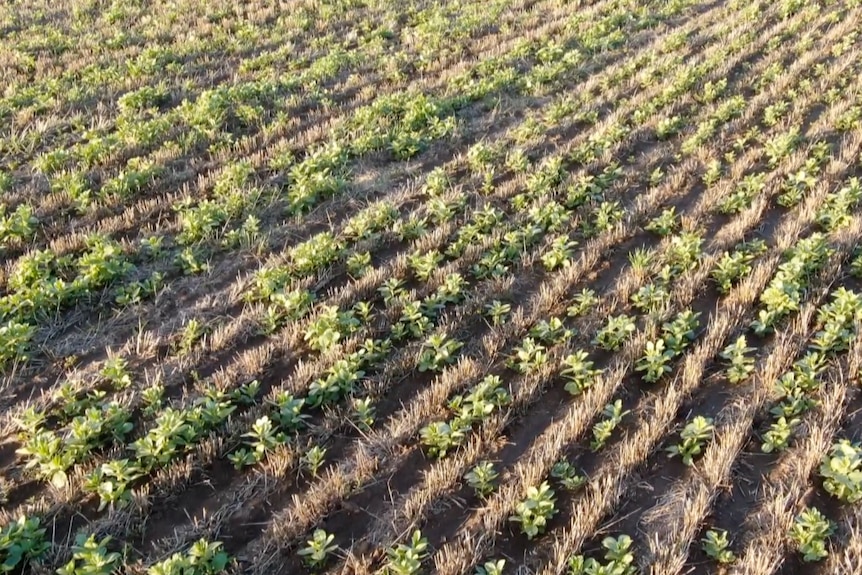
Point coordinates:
[[202, 558], [443, 209], [781, 145], [652, 297], [413, 321], [606, 215], [406, 559], [797, 184], [743, 194], [135, 292], [534, 511], [481, 478], [191, 261], [339, 381], [669, 127], [809, 532], [680, 332], [152, 246], [784, 293], [317, 549], [641, 259], [491, 567], [438, 352], [330, 327], [550, 216], [841, 471], [151, 398], [264, 437], [363, 412], [31, 420], [242, 457], [794, 399], [715, 544], [364, 311], [618, 552], [682, 254], [529, 356], [481, 401], [440, 437], [368, 223], [111, 482], [423, 265], [616, 331], [777, 437], [497, 311], [245, 236], [314, 458], [567, 476], [583, 301], [47, 455], [14, 340], [201, 221], [774, 112], [315, 254], [579, 372], [836, 210], [612, 415], [288, 411], [246, 393], [91, 557], [358, 264], [655, 361], [411, 228], [694, 436], [665, 223], [559, 253], [192, 332], [17, 227], [741, 365], [836, 322], [319, 175], [712, 173], [116, 371], [21, 542], [618, 556]]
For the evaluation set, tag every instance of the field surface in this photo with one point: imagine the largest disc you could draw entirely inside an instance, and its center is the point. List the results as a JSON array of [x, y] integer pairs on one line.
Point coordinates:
[[493, 287]]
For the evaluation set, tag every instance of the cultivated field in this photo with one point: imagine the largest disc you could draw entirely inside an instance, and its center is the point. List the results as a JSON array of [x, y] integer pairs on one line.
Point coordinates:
[[362, 286]]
